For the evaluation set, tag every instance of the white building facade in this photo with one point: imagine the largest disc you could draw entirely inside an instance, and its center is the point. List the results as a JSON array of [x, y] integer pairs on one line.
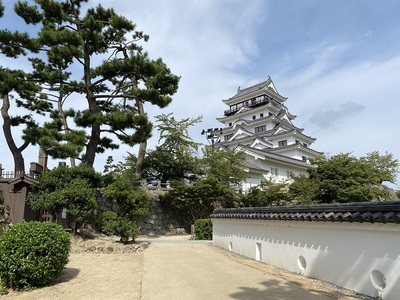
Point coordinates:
[[259, 124]]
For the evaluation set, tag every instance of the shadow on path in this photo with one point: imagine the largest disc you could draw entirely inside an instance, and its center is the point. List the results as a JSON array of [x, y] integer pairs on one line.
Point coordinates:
[[275, 290]]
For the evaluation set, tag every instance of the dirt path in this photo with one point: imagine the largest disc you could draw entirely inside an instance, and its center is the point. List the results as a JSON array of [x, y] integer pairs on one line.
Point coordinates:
[[93, 276], [103, 269]]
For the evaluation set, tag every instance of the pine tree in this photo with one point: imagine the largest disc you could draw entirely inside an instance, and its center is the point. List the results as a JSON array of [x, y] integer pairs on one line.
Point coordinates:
[[87, 59]]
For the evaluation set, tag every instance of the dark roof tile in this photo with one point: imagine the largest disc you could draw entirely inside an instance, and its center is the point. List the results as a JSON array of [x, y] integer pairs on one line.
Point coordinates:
[[370, 212]]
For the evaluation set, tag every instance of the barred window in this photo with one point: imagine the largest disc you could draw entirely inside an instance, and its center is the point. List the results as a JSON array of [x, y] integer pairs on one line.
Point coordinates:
[[282, 143], [260, 128]]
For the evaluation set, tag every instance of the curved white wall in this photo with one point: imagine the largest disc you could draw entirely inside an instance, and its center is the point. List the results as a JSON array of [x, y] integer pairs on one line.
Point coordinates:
[[351, 255]]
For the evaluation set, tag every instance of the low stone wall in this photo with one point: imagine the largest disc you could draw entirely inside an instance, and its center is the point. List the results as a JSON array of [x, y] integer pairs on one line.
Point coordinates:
[[355, 246]]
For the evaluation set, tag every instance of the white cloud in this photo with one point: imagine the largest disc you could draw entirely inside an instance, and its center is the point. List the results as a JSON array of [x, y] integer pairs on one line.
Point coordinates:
[[328, 119], [352, 108]]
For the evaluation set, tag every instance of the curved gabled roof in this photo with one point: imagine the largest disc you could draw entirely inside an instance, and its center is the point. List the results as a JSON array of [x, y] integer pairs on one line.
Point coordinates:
[[284, 111], [268, 155], [261, 140], [266, 85], [287, 148], [292, 132], [267, 136]]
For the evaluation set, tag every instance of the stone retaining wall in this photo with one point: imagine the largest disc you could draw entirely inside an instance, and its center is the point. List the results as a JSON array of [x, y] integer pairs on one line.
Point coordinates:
[[156, 222]]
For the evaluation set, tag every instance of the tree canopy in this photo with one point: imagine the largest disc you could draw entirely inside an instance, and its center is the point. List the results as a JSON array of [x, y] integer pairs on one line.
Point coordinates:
[[345, 178], [72, 189], [227, 167], [174, 158], [91, 76]]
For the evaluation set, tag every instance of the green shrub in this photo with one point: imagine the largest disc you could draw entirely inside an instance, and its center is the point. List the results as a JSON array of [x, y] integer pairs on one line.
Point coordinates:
[[203, 229], [32, 254], [112, 224]]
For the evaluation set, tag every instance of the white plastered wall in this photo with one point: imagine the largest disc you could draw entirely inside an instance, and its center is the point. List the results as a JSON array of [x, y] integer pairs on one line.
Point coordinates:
[[351, 255]]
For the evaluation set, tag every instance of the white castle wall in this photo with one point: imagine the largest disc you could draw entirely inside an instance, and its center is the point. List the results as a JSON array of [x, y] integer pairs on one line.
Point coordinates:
[[364, 257]]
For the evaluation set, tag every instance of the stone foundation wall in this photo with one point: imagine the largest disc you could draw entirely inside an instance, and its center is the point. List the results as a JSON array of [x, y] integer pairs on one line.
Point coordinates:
[[156, 222]]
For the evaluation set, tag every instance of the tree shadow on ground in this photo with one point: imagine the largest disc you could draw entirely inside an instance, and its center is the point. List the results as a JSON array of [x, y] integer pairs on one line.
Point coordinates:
[[277, 290], [68, 274]]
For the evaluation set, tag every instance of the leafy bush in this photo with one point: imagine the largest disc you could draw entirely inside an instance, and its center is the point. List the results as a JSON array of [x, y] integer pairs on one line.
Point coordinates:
[[32, 254], [203, 229], [112, 224], [132, 203]]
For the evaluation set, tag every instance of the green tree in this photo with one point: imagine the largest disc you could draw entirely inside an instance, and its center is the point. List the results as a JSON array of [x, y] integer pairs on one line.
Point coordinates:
[[87, 58], [16, 91], [212, 178], [266, 194], [69, 188], [227, 167], [132, 203], [22, 90], [344, 178], [387, 167], [303, 190], [127, 167], [174, 158], [189, 203]]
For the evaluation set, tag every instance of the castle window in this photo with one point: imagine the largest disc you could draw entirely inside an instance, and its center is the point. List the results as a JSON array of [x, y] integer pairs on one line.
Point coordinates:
[[304, 158], [228, 137], [254, 117], [260, 128], [274, 172], [282, 143], [261, 115], [230, 124]]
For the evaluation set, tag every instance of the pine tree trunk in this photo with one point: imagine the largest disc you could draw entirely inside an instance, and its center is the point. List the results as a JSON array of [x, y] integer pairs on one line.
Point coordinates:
[[94, 140], [19, 163], [64, 125], [142, 146], [140, 159]]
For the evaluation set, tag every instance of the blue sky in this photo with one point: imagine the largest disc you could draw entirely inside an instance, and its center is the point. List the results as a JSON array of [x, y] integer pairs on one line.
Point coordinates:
[[337, 62]]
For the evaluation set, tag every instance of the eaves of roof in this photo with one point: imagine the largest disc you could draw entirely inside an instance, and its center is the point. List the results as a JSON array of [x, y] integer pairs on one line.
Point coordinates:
[[255, 168], [277, 157], [360, 212], [296, 131], [24, 179], [242, 112], [287, 148]]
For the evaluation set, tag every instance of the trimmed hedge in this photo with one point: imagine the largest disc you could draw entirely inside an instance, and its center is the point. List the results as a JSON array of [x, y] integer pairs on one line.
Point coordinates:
[[203, 229], [32, 254]]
